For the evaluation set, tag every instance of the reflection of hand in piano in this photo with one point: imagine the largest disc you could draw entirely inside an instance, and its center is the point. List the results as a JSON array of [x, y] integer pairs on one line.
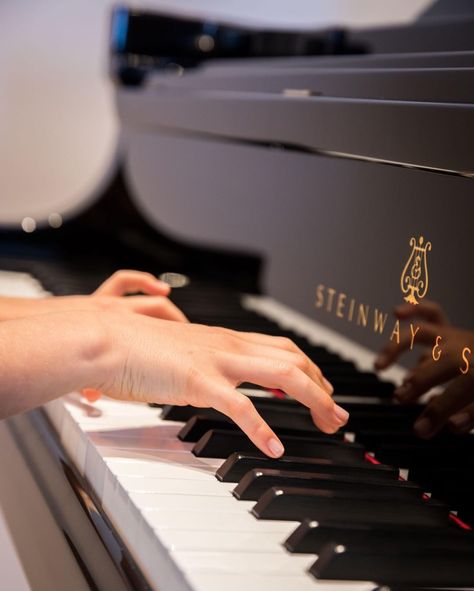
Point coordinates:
[[447, 359]]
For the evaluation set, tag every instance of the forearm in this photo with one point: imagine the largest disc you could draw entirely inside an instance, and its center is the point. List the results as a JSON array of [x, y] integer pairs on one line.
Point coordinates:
[[46, 356], [11, 308]]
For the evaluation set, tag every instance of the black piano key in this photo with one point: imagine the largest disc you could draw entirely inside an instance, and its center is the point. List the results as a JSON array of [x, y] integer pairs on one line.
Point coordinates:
[[436, 567], [199, 425], [426, 454], [267, 407], [256, 482], [238, 464], [173, 412], [297, 504], [362, 385], [311, 536], [220, 444]]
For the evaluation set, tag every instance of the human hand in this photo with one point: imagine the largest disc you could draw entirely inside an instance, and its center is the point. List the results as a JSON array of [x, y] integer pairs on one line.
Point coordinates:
[[174, 363], [108, 296]]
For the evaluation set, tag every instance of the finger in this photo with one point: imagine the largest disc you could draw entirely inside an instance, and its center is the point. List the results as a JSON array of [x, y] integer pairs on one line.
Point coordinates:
[[456, 397], [424, 377], [274, 373], [91, 395], [426, 334], [281, 346], [155, 306], [462, 421], [244, 414], [123, 282], [430, 311]]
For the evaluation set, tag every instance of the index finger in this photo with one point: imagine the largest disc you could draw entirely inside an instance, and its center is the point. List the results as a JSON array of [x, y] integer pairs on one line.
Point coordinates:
[[278, 374]]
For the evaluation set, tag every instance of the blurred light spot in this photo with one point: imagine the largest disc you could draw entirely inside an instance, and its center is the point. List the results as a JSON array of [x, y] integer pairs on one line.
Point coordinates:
[[28, 225], [205, 43], [55, 220], [174, 279]]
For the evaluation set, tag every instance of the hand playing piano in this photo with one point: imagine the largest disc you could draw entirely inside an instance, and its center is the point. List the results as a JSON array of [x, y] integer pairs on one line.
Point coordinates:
[[175, 363], [107, 296], [447, 360], [134, 357]]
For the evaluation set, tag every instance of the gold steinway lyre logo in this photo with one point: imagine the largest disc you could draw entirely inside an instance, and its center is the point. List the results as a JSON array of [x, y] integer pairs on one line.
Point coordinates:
[[414, 278]]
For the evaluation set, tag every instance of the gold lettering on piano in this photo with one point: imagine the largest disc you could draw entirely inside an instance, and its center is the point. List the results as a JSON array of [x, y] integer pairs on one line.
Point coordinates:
[[363, 315], [340, 305], [436, 351], [379, 321], [413, 283], [413, 332], [465, 368], [335, 302], [396, 331], [414, 278]]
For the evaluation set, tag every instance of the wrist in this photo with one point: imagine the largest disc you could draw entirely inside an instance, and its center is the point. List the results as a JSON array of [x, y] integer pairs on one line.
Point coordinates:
[[102, 351]]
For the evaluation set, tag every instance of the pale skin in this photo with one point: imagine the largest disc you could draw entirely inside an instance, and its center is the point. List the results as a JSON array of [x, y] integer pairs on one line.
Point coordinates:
[[144, 351], [454, 407]]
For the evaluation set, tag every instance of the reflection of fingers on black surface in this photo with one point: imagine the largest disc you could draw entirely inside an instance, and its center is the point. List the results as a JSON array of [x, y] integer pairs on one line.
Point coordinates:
[[404, 391], [424, 427], [461, 422]]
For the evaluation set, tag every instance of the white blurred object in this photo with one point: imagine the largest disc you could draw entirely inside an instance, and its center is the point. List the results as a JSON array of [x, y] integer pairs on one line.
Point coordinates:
[[59, 135]]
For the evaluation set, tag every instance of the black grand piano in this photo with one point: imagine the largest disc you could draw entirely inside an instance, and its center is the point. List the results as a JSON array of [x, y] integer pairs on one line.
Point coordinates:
[[288, 182]]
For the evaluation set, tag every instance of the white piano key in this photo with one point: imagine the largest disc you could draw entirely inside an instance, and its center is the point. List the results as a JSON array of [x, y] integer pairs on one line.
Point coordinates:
[[266, 563], [176, 486], [222, 541], [142, 441], [210, 504], [152, 469], [204, 581], [184, 519]]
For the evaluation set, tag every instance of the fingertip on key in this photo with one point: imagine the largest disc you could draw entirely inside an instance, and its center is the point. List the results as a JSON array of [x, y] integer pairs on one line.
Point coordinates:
[[275, 448], [342, 416]]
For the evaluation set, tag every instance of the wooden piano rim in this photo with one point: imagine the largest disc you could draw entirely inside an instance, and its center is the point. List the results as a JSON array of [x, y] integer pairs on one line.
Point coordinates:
[[39, 444]]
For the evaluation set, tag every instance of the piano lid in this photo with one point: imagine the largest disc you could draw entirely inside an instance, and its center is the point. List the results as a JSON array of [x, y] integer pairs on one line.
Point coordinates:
[[329, 174]]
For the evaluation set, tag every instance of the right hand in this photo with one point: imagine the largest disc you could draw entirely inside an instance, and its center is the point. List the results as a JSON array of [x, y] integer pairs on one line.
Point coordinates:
[[166, 362]]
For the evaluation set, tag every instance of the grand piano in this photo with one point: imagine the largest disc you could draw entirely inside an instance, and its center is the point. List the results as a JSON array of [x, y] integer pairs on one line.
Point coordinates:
[[285, 183]]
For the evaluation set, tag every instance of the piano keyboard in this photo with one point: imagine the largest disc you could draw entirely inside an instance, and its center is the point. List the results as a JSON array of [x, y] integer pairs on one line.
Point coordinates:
[[199, 509]]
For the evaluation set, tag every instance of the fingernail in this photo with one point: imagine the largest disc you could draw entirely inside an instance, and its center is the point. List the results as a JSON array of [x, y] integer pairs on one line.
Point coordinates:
[[461, 422], [423, 427], [328, 385], [342, 415], [276, 448]]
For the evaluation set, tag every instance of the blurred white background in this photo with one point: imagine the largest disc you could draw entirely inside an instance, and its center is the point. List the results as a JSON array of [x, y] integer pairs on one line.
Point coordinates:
[[58, 131]]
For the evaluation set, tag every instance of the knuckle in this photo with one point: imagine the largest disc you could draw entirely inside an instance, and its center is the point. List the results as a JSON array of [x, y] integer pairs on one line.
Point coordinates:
[[286, 343], [240, 406], [302, 362]]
